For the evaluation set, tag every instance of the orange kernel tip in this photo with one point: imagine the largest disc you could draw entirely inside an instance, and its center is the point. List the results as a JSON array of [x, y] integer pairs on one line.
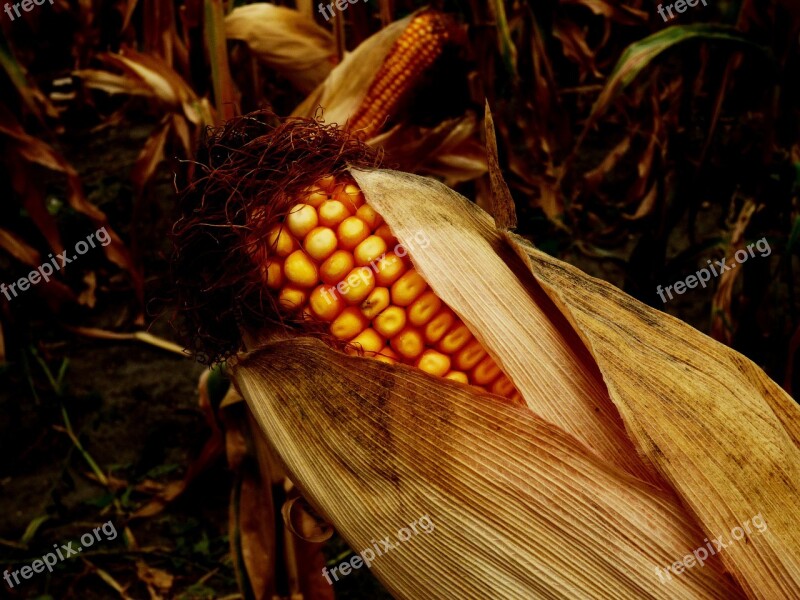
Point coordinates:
[[368, 340], [327, 183]]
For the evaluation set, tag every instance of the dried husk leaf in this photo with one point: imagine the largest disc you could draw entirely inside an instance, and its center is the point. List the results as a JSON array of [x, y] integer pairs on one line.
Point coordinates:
[[303, 523], [462, 265], [18, 248], [722, 433], [341, 93], [449, 151], [286, 40], [520, 509], [723, 449]]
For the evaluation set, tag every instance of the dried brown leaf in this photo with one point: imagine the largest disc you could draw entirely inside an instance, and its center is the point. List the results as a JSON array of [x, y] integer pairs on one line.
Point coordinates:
[[286, 40], [158, 581], [302, 521], [722, 323], [16, 247]]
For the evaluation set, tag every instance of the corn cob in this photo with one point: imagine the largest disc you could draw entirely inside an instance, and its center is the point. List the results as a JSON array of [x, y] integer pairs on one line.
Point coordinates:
[[332, 259], [415, 51]]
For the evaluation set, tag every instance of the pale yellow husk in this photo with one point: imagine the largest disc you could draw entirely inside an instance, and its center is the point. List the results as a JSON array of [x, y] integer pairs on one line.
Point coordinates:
[[462, 265], [520, 509], [708, 417], [716, 428]]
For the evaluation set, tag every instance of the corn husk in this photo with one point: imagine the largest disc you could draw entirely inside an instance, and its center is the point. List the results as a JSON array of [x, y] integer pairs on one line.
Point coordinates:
[[464, 264], [709, 418], [700, 412], [285, 40], [520, 509], [642, 438]]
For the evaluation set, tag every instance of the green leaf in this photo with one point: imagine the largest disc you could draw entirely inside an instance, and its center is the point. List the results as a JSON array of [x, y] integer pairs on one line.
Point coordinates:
[[504, 42], [640, 54], [793, 236], [100, 501], [162, 470], [218, 384], [32, 528]]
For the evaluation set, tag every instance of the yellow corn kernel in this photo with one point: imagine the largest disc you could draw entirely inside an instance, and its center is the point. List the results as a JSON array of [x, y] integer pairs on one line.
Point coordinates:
[[273, 273], [459, 376], [390, 321], [359, 283], [455, 339], [302, 219], [369, 250], [438, 325], [350, 195], [336, 267], [485, 371], [333, 212], [280, 241], [408, 288], [389, 269], [385, 234], [502, 386], [326, 183], [409, 343], [368, 341], [423, 308], [316, 196], [377, 300], [349, 323], [469, 356], [320, 243], [368, 214], [325, 303], [300, 269], [387, 355], [292, 297], [434, 362], [352, 231]]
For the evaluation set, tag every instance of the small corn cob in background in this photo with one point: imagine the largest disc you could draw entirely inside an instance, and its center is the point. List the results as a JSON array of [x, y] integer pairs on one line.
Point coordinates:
[[332, 259], [414, 52]]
